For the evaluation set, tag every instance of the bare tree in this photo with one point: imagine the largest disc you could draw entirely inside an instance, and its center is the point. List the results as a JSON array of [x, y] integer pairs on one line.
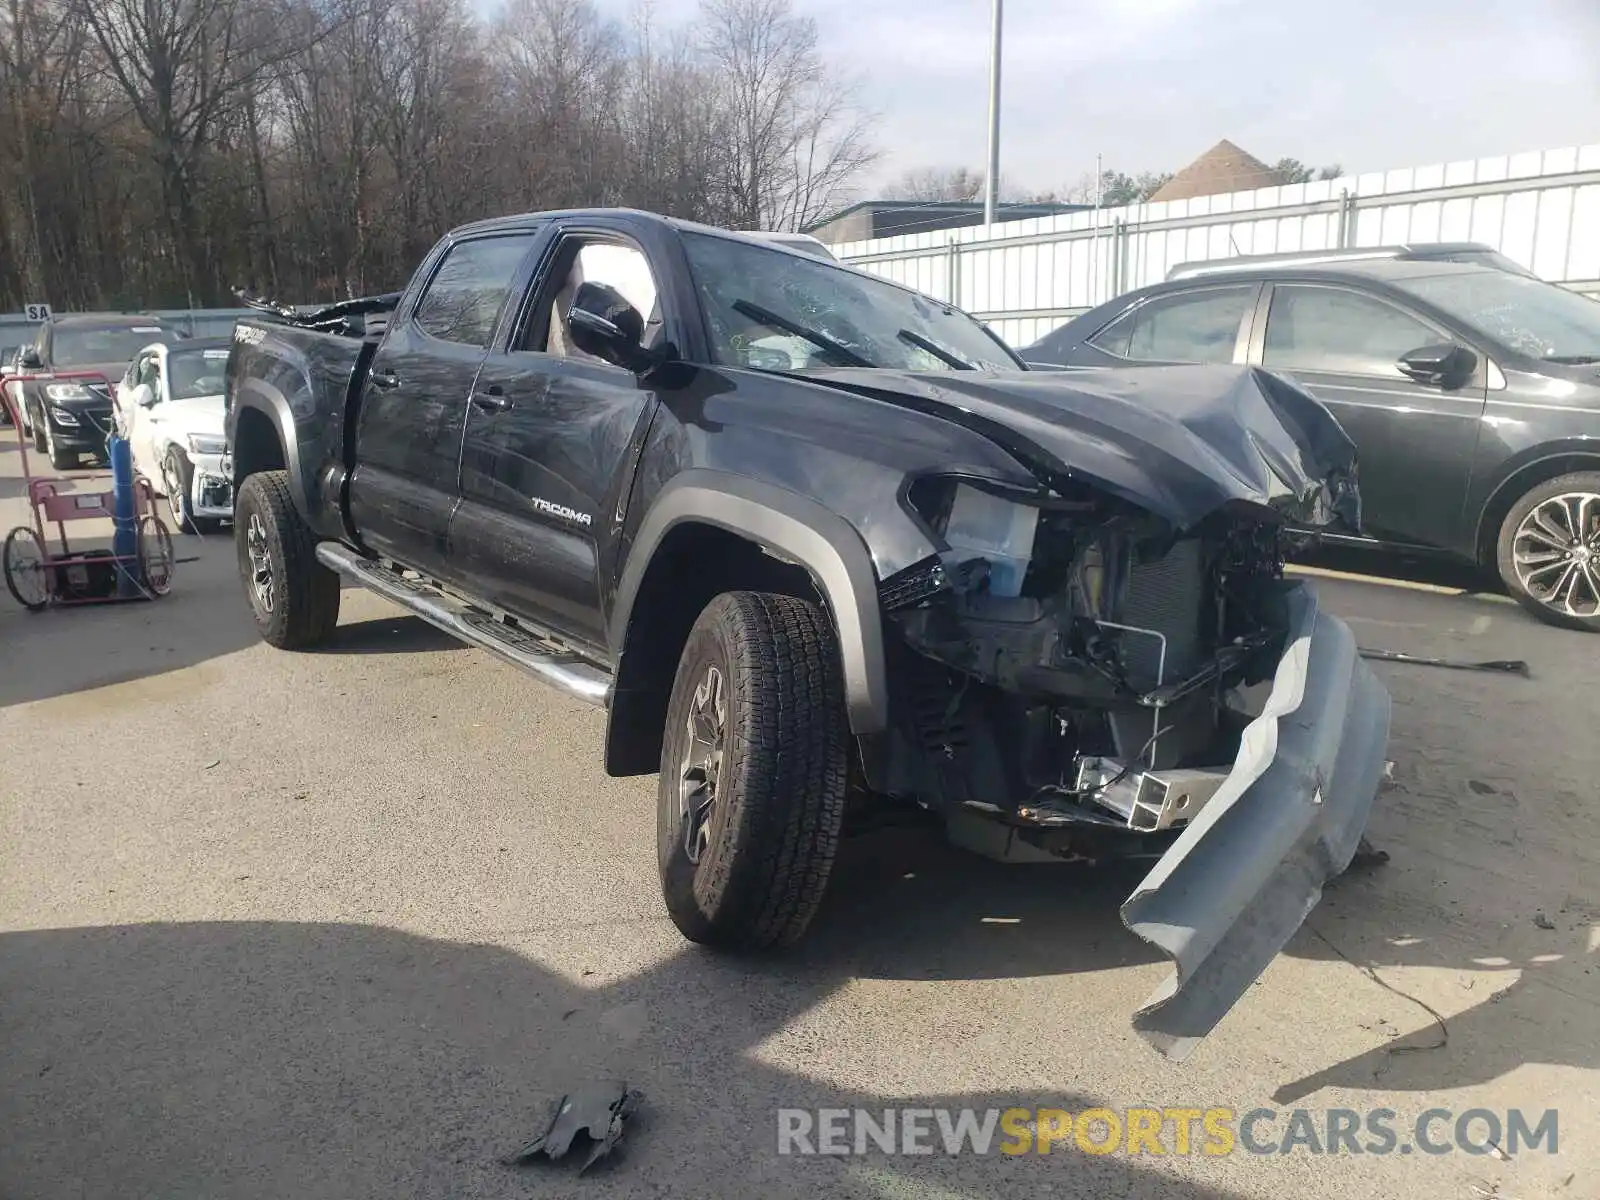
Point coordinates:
[[796, 136], [934, 184], [164, 150], [182, 65]]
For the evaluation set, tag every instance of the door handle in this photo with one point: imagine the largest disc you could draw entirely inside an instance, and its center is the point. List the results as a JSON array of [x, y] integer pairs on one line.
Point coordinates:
[[492, 399], [383, 380]]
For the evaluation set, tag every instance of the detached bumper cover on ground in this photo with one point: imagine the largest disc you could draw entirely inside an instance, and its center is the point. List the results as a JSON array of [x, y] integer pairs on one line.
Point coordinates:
[[1229, 894]]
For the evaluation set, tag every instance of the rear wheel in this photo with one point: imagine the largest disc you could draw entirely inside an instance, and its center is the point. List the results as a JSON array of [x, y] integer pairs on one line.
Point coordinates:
[[1549, 551], [155, 556], [293, 597], [753, 772], [27, 578]]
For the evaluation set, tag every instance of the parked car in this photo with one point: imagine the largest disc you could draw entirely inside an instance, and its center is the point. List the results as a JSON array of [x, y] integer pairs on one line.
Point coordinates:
[[170, 407], [893, 568], [68, 419], [1472, 394], [801, 243], [1461, 252]]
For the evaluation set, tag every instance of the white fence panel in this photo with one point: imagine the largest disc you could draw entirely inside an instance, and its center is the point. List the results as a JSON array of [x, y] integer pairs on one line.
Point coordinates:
[[1028, 277]]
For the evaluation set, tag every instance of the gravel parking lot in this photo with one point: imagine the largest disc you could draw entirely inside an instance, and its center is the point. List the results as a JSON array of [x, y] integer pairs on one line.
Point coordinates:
[[340, 924]]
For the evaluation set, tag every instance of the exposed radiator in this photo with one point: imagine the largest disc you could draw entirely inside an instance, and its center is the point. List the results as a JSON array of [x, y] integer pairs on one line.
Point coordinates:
[[1167, 596]]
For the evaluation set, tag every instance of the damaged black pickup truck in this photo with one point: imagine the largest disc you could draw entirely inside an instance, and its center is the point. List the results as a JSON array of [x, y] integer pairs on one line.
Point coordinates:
[[816, 541]]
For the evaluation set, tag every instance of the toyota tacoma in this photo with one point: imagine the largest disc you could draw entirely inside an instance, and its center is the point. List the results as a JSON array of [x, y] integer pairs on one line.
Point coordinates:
[[821, 545]]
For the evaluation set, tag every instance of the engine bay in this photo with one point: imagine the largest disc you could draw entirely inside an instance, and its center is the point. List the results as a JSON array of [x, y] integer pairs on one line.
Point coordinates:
[[1087, 667]]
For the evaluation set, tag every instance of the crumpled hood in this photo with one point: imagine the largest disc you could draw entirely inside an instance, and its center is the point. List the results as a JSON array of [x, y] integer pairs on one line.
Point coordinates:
[[202, 414], [1180, 442]]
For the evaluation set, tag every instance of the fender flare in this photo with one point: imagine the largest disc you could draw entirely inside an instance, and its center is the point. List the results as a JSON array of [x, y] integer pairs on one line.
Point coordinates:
[[271, 403], [797, 529]]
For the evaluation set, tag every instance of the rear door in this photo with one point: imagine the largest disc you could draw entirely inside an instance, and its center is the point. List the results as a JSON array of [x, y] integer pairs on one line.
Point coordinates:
[[550, 432], [1415, 441], [413, 408], [1205, 324]]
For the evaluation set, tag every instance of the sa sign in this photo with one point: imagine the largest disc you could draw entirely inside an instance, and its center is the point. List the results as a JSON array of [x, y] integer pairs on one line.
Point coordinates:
[[36, 312]]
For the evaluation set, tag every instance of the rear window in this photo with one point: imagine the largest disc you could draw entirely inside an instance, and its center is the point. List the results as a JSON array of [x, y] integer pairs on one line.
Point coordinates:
[[80, 346], [465, 295]]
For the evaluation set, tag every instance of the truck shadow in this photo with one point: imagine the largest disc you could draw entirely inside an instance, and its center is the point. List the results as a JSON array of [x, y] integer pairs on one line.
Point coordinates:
[[276, 1059], [389, 635]]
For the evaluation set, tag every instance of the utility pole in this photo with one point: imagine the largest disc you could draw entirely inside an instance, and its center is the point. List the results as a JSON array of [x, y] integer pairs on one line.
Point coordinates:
[[1094, 237], [991, 187]]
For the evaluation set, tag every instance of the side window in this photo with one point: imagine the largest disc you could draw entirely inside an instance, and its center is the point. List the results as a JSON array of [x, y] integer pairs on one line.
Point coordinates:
[[1198, 326], [1330, 329], [466, 293], [614, 264]]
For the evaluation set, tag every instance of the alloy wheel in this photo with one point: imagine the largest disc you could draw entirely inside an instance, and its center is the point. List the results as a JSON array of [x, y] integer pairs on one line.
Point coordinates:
[[701, 771], [172, 481], [255, 541], [1556, 553]]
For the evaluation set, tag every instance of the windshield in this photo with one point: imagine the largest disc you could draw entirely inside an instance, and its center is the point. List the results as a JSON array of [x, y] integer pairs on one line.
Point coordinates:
[[83, 347], [1536, 318], [193, 373], [780, 312]]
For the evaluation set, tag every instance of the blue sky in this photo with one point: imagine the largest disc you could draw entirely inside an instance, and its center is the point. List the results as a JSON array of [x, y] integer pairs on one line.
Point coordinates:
[[1371, 84]]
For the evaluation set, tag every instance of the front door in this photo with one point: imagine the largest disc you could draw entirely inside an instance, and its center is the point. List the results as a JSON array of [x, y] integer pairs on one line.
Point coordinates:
[[1415, 442], [408, 434], [140, 419], [549, 435]]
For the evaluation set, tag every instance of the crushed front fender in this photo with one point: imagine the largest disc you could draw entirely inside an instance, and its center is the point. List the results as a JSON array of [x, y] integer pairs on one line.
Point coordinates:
[[1243, 877]]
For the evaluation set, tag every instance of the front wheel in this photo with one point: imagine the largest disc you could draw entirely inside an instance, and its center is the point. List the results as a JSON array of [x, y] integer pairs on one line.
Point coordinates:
[[61, 460], [27, 577], [1549, 551], [177, 479], [753, 771], [293, 597]]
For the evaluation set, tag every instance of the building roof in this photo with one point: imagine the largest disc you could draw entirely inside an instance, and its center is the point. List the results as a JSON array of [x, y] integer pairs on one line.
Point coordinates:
[[947, 208], [1223, 168]]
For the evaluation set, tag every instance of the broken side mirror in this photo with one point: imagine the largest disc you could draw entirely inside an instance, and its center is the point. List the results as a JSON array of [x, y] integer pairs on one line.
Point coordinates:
[[605, 325], [1444, 365]]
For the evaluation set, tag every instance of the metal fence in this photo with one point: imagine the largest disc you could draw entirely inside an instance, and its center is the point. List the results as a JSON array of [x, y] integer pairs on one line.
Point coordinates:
[[1027, 277]]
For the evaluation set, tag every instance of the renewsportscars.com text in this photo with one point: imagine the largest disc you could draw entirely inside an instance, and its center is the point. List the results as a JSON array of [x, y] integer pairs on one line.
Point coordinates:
[[1211, 1132]]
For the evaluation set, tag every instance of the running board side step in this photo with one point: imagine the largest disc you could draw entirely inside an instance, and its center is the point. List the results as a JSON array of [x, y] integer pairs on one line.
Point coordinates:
[[521, 645]]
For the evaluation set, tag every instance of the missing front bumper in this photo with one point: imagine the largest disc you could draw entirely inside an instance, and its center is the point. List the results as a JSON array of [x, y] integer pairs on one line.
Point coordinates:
[[1244, 874]]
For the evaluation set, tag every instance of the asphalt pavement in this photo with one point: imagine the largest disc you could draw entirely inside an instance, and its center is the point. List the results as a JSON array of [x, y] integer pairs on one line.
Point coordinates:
[[341, 924]]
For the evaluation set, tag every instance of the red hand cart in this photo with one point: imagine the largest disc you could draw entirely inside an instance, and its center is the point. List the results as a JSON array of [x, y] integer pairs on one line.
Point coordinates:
[[39, 578]]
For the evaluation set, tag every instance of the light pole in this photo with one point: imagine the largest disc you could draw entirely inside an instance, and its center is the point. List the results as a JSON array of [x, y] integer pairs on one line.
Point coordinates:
[[991, 185]]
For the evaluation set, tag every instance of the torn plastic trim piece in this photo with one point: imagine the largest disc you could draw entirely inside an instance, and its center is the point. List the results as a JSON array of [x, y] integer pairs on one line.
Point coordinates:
[[1245, 873], [596, 1111]]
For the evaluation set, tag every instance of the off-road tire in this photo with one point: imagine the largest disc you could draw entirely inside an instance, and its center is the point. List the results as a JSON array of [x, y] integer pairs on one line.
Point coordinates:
[[305, 594], [177, 464], [780, 801], [1579, 481]]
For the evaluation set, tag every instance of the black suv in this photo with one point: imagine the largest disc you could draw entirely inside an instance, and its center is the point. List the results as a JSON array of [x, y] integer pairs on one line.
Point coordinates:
[[1472, 394], [69, 418]]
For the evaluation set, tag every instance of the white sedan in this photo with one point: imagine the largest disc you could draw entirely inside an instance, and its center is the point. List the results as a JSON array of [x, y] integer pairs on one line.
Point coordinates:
[[170, 408]]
